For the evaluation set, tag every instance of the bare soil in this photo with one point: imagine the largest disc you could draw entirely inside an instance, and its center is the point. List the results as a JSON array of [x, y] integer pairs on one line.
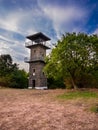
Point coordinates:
[[41, 110]]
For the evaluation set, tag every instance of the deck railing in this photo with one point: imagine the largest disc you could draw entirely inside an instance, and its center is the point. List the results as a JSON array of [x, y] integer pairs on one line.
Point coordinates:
[[30, 43], [27, 59]]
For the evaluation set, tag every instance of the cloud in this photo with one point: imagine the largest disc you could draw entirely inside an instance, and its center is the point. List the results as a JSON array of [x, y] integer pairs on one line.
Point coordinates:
[[13, 46], [10, 22], [26, 21], [60, 15], [4, 49], [5, 39], [64, 18], [96, 31], [15, 26], [13, 29], [17, 51], [19, 20]]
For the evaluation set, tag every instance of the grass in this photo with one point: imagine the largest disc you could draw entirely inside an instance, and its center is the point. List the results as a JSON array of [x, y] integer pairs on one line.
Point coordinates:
[[94, 108], [78, 94], [87, 97]]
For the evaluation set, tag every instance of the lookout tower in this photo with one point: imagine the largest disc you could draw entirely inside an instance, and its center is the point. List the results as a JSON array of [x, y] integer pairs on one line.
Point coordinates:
[[37, 46]]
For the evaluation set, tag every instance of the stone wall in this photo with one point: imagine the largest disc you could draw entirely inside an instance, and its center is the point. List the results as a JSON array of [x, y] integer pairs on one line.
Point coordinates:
[[36, 67]]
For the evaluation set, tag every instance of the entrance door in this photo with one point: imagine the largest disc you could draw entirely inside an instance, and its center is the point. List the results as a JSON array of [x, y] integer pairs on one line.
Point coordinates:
[[33, 83]]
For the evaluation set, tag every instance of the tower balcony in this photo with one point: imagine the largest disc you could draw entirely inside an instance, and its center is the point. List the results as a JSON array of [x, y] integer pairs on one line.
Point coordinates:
[[34, 59], [32, 43]]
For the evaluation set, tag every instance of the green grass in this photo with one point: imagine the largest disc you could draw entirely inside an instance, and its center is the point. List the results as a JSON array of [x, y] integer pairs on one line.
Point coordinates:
[[87, 97], [94, 108], [78, 94]]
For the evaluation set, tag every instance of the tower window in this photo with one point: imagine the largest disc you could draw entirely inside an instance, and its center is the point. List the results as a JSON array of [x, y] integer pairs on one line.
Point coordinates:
[[33, 70], [34, 51], [42, 55]]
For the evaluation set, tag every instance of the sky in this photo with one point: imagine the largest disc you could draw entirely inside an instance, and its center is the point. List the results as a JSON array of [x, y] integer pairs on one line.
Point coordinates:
[[20, 18]]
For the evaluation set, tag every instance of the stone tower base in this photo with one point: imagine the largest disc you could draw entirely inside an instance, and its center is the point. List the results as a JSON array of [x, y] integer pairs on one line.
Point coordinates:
[[39, 88]]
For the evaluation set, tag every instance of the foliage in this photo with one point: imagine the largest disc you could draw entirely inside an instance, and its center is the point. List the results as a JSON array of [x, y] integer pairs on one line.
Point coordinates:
[[10, 75], [19, 79], [6, 65], [53, 84], [74, 60], [5, 80]]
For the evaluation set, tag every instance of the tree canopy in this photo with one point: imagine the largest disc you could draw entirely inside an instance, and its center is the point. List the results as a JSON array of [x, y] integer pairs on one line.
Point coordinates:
[[6, 65], [10, 75], [74, 60]]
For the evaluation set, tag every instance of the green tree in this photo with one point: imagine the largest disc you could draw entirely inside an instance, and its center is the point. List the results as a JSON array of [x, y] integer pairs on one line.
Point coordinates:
[[19, 79], [10, 75], [6, 65], [74, 59]]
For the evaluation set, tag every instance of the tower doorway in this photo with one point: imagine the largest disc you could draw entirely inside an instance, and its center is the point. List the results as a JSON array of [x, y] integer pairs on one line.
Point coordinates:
[[33, 83]]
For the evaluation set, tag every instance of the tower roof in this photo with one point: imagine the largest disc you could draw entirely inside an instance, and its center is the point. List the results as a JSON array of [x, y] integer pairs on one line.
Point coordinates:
[[38, 36]]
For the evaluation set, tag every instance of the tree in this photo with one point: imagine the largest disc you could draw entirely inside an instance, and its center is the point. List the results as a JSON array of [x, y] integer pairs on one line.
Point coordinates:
[[74, 58], [10, 75], [19, 79], [6, 65]]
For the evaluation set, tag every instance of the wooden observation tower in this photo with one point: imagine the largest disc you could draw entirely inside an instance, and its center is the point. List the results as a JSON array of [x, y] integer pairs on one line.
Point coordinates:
[[37, 46]]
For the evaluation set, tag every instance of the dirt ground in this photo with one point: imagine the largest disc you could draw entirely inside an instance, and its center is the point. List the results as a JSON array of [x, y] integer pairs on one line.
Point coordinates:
[[41, 110]]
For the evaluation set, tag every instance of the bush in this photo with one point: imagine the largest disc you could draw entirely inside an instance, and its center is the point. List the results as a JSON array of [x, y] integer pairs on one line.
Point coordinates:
[[19, 79], [5, 81], [53, 84]]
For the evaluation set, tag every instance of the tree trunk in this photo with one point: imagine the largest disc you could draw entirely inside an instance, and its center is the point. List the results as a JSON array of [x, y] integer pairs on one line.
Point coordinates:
[[73, 83], [67, 82], [72, 80]]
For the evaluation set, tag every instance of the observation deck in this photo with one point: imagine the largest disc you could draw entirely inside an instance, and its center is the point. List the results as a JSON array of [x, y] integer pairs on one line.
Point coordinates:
[[34, 59]]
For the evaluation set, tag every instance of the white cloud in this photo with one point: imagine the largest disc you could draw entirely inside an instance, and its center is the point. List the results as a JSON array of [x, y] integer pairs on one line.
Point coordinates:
[[23, 65], [18, 21], [5, 39], [96, 31], [10, 22], [15, 48], [60, 15], [4, 49], [64, 18]]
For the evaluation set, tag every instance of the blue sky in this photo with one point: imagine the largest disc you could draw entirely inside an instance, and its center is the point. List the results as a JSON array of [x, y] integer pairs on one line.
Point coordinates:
[[19, 18]]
